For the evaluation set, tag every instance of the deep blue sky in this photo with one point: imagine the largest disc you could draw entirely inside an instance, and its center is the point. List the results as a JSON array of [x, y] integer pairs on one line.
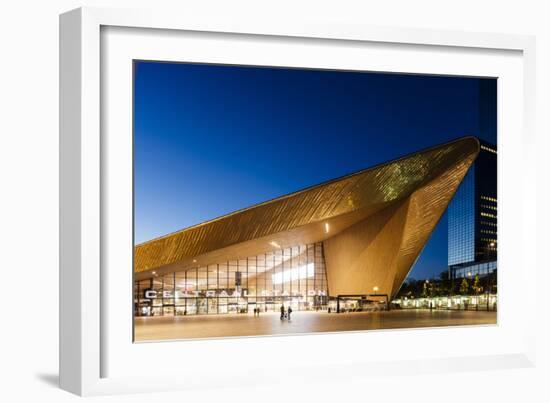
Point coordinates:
[[213, 139]]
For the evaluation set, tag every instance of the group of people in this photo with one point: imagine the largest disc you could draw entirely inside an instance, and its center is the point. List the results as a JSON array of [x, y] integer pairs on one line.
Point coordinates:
[[285, 314]]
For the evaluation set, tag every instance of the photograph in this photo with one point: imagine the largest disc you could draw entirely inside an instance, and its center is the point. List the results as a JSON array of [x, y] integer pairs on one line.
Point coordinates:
[[239, 201], [275, 201]]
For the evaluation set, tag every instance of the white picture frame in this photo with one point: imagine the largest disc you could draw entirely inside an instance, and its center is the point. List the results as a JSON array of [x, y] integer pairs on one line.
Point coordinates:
[[96, 355]]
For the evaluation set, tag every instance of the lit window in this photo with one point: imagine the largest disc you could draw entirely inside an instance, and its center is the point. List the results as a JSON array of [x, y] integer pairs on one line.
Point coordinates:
[[488, 149], [298, 273], [488, 215]]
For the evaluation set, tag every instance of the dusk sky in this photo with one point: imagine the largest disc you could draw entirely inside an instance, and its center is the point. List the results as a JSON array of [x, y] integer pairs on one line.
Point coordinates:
[[212, 139]]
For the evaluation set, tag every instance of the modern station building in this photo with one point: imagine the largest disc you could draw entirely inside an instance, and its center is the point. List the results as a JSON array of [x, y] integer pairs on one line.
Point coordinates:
[[356, 236]]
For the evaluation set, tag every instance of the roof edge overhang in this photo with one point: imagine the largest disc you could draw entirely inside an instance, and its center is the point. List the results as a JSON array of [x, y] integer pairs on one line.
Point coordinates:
[[175, 250]]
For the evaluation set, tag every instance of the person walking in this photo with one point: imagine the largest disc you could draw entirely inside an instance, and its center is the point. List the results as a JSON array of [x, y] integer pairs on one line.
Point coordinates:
[[289, 312], [282, 312]]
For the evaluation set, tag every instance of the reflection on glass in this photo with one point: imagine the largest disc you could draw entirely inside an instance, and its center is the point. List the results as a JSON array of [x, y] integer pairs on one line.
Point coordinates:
[[294, 276]]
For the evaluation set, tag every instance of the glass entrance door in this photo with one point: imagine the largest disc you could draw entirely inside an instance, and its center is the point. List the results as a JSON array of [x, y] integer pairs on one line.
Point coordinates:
[[232, 305], [222, 305]]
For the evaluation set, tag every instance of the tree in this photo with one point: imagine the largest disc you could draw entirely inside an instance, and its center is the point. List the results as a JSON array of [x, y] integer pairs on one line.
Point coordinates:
[[425, 289], [450, 287], [464, 286], [476, 286], [445, 284]]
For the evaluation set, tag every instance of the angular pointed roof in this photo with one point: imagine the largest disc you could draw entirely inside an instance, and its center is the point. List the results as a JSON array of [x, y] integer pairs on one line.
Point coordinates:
[[301, 217]]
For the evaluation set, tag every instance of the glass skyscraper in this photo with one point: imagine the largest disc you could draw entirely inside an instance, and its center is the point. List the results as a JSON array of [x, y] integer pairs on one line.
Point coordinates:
[[472, 218], [472, 214]]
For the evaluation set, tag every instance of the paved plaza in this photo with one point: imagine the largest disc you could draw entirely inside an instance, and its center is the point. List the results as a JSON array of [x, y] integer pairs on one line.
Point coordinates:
[[231, 325]]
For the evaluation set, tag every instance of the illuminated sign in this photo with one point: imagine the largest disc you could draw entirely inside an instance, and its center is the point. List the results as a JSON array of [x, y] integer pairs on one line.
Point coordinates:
[[167, 294]]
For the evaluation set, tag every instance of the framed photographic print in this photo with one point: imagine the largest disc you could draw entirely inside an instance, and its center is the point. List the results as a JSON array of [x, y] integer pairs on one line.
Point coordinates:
[[213, 142], [338, 192]]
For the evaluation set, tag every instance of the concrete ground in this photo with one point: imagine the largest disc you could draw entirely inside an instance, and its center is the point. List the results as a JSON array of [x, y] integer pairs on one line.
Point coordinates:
[[231, 325]]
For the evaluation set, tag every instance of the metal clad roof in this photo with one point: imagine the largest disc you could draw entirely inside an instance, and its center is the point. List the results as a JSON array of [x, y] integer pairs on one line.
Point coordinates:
[[358, 194]]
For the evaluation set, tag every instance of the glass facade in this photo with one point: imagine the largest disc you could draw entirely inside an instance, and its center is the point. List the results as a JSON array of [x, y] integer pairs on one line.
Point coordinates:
[[295, 276], [479, 269], [472, 218], [472, 214], [461, 222], [482, 302]]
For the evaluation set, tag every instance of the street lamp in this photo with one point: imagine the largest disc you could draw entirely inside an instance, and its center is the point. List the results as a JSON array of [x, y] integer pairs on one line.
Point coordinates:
[[375, 288], [428, 294]]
